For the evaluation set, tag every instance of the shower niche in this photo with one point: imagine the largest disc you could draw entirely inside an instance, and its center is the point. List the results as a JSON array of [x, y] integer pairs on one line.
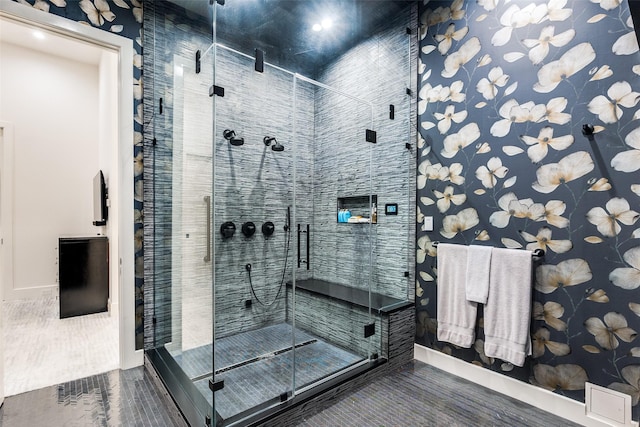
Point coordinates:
[[358, 209], [242, 329]]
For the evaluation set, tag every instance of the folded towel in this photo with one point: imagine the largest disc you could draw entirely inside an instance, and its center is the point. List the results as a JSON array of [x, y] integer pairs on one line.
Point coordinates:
[[456, 316], [478, 267], [507, 313]]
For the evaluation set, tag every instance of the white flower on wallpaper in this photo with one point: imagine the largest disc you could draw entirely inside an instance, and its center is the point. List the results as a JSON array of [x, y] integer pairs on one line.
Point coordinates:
[[608, 109], [43, 5], [458, 59], [573, 60], [425, 247], [570, 272], [555, 111], [569, 168], [553, 211], [462, 221], [556, 10], [539, 146], [539, 48], [607, 4], [628, 277], [515, 17], [626, 44], [449, 115], [517, 208], [607, 221], [629, 161], [631, 374], [544, 241], [446, 40], [512, 112], [560, 377], [541, 340], [550, 313], [601, 184], [429, 94], [455, 142], [600, 73], [443, 14], [97, 11], [607, 333], [446, 197], [490, 173], [488, 86]]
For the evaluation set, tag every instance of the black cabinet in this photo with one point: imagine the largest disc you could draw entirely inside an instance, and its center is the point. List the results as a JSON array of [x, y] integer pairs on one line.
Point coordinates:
[[84, 275]]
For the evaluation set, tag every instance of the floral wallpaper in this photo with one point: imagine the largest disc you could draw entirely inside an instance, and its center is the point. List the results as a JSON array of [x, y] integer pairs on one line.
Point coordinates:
[[123, 17], [530, 138]]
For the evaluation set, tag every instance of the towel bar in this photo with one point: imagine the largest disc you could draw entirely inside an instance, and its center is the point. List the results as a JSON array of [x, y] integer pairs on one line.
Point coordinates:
[[537, 253]]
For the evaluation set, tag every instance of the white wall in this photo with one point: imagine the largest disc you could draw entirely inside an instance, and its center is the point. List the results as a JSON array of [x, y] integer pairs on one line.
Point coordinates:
[[52, 103]]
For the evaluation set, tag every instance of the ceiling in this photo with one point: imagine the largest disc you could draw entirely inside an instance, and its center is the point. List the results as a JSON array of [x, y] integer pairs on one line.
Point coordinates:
[[283, 28]]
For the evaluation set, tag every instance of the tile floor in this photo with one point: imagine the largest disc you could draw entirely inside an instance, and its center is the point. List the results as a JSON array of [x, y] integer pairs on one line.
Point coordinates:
[[416, 395], [42, 350]]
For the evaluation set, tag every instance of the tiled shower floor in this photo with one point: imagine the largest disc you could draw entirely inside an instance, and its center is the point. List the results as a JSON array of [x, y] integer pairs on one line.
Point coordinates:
[[257, 366]]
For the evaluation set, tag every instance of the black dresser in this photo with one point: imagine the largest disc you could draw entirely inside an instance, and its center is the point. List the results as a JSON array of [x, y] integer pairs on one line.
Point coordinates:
[[83, 275]]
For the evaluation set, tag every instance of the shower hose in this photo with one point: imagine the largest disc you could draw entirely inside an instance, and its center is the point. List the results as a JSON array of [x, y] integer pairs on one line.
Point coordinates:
[[284, 271]]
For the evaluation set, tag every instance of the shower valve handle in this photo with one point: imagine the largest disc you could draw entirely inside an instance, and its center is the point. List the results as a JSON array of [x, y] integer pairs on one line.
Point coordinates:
[[247, 267]]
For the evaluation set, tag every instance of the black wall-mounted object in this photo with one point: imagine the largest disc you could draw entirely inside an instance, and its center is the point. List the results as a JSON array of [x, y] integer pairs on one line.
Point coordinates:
[[216, 90], [392, 111], [84, 275], [268, 228], [227, 229], [248, 229], [371, 136], [198, 62], [100, 196], [391, 209], [259, 61]]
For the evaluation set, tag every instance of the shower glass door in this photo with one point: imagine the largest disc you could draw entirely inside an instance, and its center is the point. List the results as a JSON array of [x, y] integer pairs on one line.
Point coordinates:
[[334, 221], [252, 195]]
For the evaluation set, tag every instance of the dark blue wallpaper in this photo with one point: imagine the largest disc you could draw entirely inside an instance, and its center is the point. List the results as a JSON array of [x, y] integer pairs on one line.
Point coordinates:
[[505, 91], [122, 17]]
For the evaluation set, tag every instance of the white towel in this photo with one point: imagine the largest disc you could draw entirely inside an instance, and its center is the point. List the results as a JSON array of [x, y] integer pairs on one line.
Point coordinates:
[[456, 315], [478, 267], [507, 314]]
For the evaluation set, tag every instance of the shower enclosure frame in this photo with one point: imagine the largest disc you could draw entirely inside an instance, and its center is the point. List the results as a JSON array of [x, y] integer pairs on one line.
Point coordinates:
[[182, 388]]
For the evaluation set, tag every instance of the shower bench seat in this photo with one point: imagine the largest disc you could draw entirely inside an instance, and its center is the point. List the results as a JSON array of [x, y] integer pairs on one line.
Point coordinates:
[[380, 304]]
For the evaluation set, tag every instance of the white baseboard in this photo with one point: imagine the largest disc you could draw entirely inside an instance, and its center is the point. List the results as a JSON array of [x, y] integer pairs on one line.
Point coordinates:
[[540, 398], [35, 292]]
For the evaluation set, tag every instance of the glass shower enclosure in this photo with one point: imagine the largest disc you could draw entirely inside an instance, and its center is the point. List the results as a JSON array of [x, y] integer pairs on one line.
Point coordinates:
[[280, 201]]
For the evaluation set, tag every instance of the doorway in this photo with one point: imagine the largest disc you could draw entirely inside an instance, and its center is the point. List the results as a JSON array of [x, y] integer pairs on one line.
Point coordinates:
[[117, 158]]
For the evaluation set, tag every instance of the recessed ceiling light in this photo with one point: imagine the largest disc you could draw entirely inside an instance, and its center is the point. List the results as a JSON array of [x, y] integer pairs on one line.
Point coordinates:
[[39, 35], [327, 23], [316, 27]]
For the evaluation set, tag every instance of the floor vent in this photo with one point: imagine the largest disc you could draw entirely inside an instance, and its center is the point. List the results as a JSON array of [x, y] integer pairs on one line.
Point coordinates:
[[608, 406]]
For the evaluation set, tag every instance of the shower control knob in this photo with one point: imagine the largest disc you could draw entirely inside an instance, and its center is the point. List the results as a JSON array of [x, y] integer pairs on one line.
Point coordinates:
[[268, 228], [248, 229]]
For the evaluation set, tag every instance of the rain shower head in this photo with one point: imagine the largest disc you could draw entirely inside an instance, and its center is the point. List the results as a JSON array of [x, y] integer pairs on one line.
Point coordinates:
[[276, 145], [230, 135]]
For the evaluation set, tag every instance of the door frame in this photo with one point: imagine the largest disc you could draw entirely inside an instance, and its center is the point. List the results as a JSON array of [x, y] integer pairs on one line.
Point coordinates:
[[122, 181]]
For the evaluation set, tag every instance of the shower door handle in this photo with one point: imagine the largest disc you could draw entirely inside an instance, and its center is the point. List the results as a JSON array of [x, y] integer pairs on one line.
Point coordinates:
[[207, 202], [300, 233]]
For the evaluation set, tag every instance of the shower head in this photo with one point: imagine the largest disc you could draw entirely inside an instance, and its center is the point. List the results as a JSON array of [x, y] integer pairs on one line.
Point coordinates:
[[230, 135], [276, 145]]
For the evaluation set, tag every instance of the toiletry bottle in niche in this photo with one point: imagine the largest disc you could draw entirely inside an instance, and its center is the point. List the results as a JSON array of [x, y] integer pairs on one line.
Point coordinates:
[[374, 214], [347, 215]]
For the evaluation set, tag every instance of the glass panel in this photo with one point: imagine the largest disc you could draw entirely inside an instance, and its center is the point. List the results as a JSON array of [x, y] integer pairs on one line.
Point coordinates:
[[181, 159], [335, 221], [253, 195]]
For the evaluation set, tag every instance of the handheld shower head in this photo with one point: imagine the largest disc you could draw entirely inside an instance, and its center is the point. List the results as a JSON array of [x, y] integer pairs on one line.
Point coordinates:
[[276, 145], [230, 135]]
